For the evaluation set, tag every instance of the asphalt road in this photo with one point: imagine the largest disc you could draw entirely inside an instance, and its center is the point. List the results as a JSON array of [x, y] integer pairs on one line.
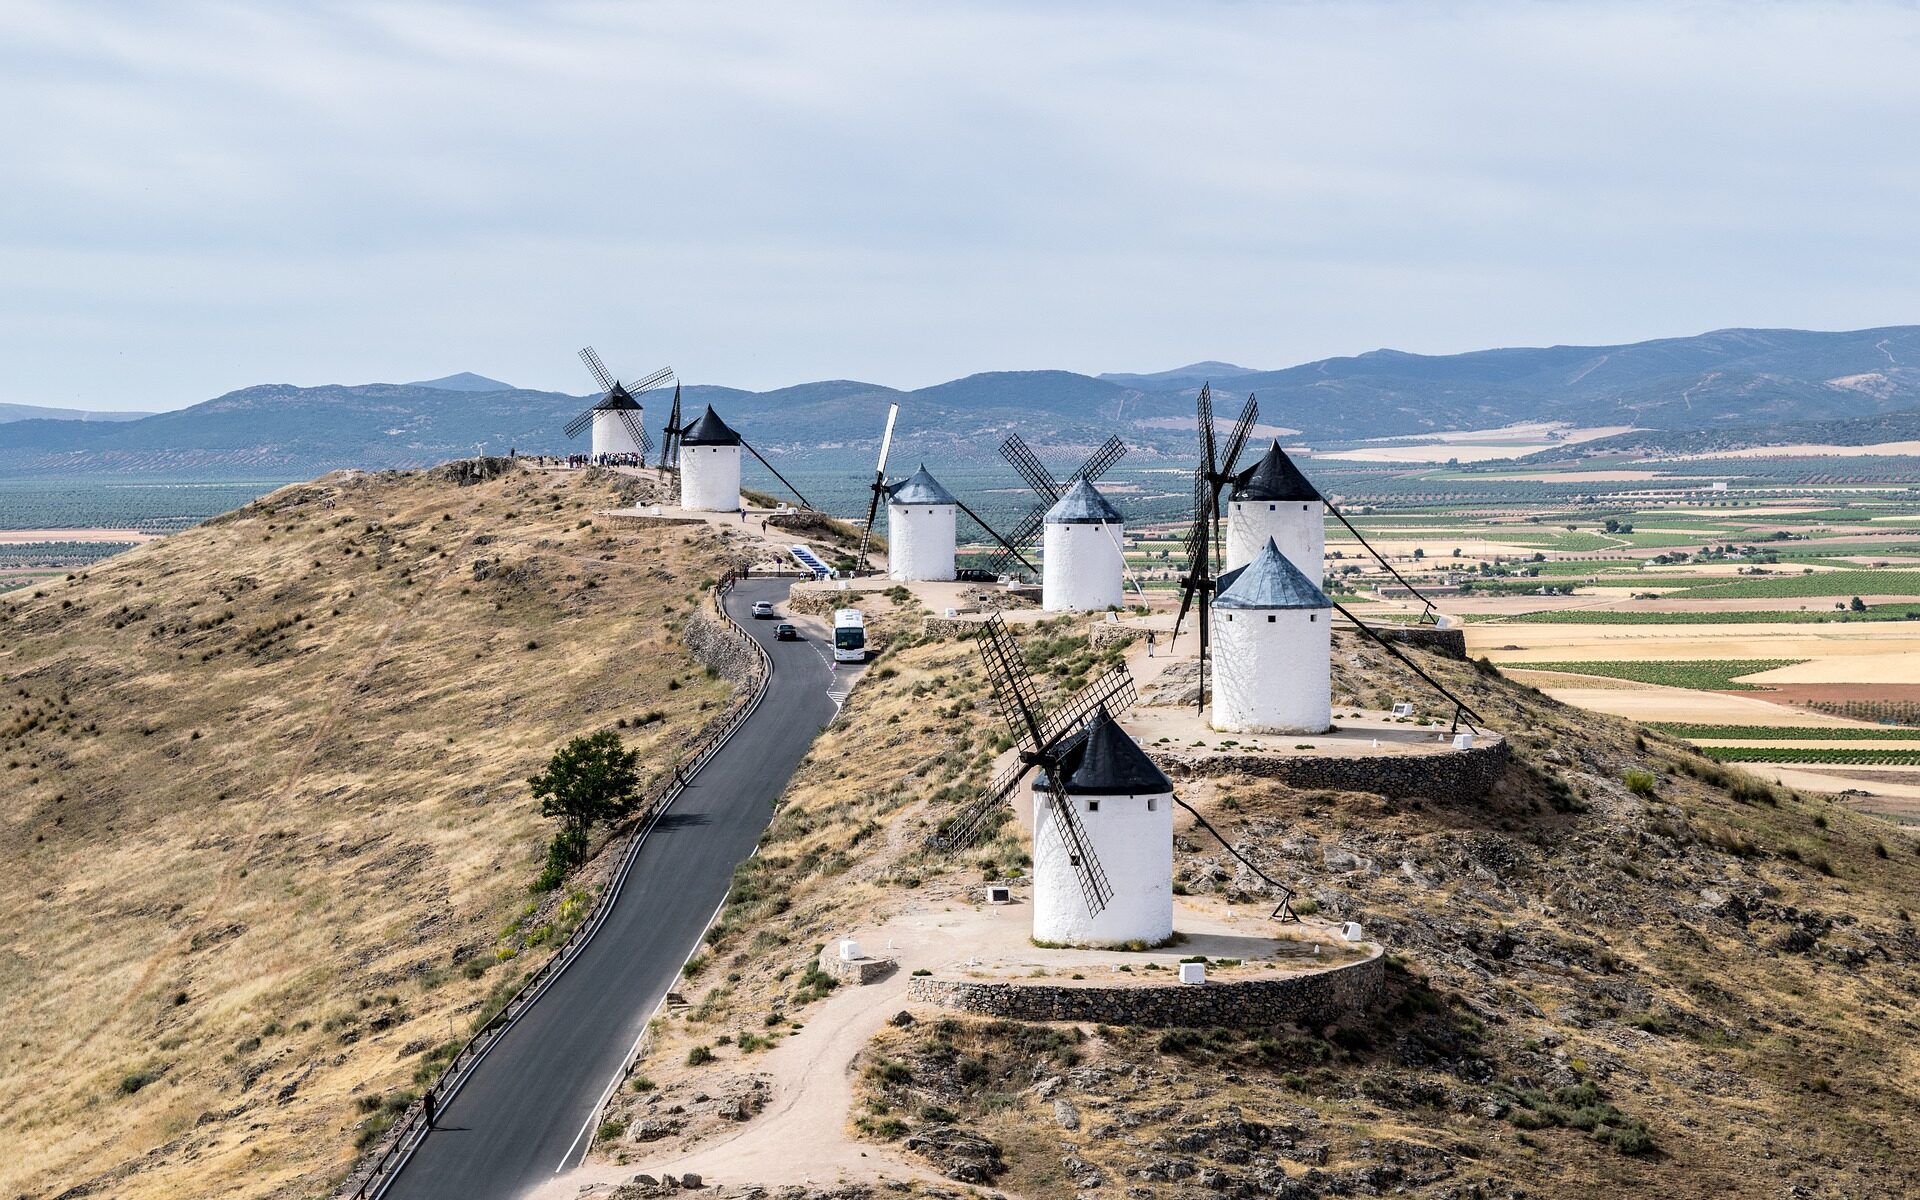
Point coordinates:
[[521, 1115]]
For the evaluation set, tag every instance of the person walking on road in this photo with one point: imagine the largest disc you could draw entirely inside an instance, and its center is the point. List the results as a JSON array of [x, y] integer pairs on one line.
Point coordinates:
[[426, 1103], [1149, 643]]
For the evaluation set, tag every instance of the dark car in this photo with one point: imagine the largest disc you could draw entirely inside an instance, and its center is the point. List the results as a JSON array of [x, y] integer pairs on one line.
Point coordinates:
[[975, 575], [762, 610], [786, 633]]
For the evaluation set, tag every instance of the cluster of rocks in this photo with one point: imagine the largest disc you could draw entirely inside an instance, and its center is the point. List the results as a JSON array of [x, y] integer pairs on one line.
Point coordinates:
[[962, 1155]]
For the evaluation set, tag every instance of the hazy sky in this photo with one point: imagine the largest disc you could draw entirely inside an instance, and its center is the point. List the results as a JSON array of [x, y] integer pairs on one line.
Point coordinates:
[[198, 197]]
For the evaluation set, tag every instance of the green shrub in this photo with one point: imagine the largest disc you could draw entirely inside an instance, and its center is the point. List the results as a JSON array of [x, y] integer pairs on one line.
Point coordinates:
[[699, 1056], [1640, 783]]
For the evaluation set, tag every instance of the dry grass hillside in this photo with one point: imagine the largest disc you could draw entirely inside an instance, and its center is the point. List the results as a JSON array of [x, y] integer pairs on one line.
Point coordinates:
[[1629, 970], [265, 840]]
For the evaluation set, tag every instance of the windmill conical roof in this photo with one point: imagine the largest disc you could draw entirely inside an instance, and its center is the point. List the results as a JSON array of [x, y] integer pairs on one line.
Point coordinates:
[[919, 488], [709, 430], [1274, 477], [1269, 581], [1083, 505], [1103, 760], [618, 398]]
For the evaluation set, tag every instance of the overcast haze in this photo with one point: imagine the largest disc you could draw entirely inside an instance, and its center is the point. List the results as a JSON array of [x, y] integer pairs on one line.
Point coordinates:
[[210, 196]]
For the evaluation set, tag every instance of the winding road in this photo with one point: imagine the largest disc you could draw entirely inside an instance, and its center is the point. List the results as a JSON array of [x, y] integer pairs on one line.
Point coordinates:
[[522, 1114]]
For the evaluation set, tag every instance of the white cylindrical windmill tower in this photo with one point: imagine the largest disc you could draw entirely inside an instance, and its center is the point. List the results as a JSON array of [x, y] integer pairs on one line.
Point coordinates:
[[1272, 649], [1082, 569], [1123, 805], [615, 423], [1273, 500], [710, 465], [920, 528]]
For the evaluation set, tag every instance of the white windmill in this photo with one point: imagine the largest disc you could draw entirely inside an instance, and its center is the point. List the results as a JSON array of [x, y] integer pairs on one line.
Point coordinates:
[[710, 465], [1272, 501], [922, 518], [617, 417], [1082, 568], [1272, 649]]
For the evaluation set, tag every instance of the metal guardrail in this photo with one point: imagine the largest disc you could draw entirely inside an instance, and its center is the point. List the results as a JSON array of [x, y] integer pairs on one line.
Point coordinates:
[[407, 1133]]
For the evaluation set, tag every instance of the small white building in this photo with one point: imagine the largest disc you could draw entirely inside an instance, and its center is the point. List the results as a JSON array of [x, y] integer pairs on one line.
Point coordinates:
[[1272, 500], [920, 529], [1082, 567], [1272, 649], [611, 431], [1124, 806], [710, 465]]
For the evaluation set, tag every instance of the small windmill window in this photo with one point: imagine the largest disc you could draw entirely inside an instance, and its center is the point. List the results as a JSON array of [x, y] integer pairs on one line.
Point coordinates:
[[1073, 860], [1313, 616], [1271, 618], [1152, 804], [1273, 508], [1093, 806]]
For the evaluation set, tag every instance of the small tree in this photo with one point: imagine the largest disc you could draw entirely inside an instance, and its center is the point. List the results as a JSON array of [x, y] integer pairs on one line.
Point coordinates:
[[1858, 605], [588, 780]]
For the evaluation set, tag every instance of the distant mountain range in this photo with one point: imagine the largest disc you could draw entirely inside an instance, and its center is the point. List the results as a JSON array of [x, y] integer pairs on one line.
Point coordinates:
[[1718, 382], [33, 412]]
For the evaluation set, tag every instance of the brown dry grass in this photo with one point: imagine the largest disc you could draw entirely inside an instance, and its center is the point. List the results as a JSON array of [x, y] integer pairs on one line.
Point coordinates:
[[266, 833]]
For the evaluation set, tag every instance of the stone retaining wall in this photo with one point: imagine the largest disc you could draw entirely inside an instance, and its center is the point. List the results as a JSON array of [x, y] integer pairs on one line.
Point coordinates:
[[1316, 999], [859, 971], [1450, 776], [719, 646], [1450, 642], [1108, 633]]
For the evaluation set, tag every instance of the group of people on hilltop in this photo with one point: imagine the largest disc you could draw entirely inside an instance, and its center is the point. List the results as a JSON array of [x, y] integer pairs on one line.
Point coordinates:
[[577, 461]]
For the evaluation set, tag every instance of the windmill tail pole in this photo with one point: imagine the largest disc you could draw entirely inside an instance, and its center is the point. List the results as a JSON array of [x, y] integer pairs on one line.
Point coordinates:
[[1009, 547], [1286, 893], [1377, 556], [804, 502], [1390, 648]]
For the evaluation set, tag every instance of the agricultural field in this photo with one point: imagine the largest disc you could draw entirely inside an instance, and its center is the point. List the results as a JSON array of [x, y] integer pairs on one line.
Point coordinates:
[[1709, 675]]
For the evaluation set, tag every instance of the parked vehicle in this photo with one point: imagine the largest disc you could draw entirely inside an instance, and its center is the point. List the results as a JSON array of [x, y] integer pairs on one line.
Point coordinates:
[[849, 635]]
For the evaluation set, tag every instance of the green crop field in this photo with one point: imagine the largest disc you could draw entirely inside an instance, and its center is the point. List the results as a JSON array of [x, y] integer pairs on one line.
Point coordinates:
[[1825, 583], [1897, 611], [1700, 674], [1839, 756], [1776, 733]]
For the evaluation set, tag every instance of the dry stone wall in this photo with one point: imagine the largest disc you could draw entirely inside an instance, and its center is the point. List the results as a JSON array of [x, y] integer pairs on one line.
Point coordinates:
[[1449, 775], [1314, 999]]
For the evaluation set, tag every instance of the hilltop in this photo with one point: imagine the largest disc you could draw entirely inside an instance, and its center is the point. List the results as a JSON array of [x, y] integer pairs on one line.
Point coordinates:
[[265, 836], [1687, 984], [1723, 379]]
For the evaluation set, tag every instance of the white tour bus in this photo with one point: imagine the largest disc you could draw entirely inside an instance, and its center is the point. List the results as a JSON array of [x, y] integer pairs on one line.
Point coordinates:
[[849, 635]]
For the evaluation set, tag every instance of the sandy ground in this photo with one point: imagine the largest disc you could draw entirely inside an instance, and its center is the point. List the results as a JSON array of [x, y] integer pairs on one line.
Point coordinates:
[[1868, 641], [1849, 667], [1480, 445], [802, 1135], [15, 536], [1644, 702]]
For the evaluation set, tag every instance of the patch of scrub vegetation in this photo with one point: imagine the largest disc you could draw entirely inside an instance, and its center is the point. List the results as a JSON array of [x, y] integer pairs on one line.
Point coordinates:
[[1706, 675]]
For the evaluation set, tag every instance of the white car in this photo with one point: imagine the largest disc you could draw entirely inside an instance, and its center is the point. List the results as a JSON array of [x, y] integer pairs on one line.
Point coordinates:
[[762, 610]]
